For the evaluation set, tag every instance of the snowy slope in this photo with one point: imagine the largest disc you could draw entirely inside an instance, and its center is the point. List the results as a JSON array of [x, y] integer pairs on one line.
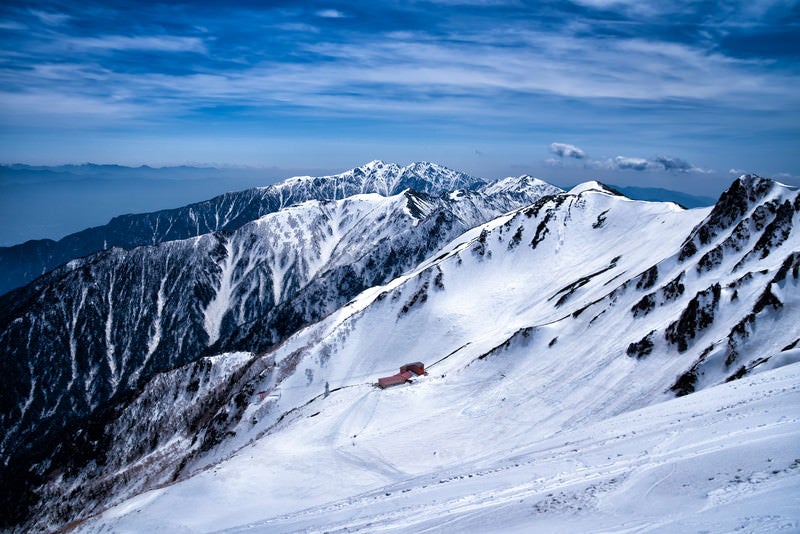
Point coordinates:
[[97, 329], [541, 330], [721, 460]]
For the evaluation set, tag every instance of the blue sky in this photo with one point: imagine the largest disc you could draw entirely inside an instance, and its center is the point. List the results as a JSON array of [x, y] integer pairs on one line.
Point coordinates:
[[677, 94]]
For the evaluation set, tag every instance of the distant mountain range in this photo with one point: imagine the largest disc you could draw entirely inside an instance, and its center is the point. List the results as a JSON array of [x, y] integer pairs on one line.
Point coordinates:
[[21, 263], [230, 348]]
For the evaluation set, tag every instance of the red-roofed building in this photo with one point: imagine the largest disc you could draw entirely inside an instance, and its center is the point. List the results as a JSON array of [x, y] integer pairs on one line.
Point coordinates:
[[418, 368], [394, 380], [407, 372]]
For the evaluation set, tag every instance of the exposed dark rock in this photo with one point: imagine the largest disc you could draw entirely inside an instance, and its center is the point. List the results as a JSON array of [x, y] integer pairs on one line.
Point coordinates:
[[479, 248], [740, 372], [647, 279], [541, 231], [516, 238], [774, 235], [710, 259], [791, 265], [641, 348], [567, 291], [767, 299], [738, 333], [791, 345], [685, 384], [739, 282], [521, 336], [688, 250], [601, 220], [645, 305], [421, 296], [732, 205], [674, 288], [438, 281], [668, 293], [698, 315]]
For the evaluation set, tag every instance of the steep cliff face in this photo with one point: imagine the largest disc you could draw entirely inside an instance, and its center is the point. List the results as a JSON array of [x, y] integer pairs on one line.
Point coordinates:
[[96, 329], [22, 263]]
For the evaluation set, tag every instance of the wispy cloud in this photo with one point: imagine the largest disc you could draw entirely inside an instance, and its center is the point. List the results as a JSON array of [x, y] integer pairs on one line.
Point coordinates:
[[412, 77], [12, 25], [151, 43], [658, 163], [481, 3], [50, 18], [55, 109], [456, 69], [331, 14]]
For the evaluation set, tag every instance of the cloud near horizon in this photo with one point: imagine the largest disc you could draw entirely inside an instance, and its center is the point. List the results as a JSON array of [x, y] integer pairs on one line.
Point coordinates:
[[674, 164], [565, 150], [660, 162], [636, 164]]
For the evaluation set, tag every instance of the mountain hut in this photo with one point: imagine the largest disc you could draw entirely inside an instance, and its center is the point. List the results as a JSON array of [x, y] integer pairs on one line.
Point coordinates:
[[418, 368], [394, 380], [407, 372]]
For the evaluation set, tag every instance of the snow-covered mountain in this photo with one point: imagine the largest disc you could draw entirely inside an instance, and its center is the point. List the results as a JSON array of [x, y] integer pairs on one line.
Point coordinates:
[[98, 328], [555, 338], [22, 263]]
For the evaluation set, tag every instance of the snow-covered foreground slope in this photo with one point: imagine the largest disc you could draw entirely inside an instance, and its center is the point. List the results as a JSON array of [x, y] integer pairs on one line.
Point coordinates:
[[722, 460], [556, 338]]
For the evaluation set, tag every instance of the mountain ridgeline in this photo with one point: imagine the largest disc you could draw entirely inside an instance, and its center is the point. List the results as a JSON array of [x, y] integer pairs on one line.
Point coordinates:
[[130, 369], [22, 263]]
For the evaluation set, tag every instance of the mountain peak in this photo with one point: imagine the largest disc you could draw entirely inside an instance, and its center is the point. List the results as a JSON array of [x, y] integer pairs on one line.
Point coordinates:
[[594, 185], [390, 179], [377, 165], [754, 187], [749, 196], [522, 184], [427, 166], [744, 192]]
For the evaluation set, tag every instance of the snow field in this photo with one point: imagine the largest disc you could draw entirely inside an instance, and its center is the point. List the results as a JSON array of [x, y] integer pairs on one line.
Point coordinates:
[[533, 418], [710, 460]]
